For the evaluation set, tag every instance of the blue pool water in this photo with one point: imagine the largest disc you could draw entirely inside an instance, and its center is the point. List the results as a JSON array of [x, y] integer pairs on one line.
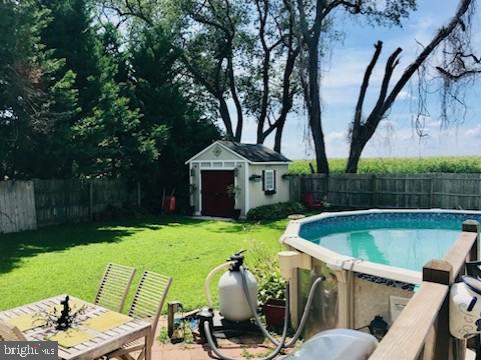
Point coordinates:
[[405, 240]]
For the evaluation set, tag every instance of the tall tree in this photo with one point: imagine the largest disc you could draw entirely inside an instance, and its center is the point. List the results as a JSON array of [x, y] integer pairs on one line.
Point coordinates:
[[272, 84], [363, 128], [34, 101], [164, 99], [242, 53], [313, 18]]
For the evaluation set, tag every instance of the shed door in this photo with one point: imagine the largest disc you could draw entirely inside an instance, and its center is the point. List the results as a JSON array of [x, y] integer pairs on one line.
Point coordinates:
[[216, 200]]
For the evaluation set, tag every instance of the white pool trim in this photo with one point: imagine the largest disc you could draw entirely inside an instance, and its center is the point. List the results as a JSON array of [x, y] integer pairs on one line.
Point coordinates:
[[338, 261]]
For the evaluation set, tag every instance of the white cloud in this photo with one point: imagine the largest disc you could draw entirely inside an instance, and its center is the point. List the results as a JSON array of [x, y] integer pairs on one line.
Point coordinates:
[[474, 132], [405, 95]]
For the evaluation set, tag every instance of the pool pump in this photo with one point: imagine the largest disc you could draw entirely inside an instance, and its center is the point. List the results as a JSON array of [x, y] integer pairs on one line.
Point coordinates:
[[465, 306], [238, 301], [465, 303]]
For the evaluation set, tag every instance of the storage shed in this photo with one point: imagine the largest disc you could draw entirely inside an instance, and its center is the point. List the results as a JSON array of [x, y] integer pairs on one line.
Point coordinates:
[[229, 178]]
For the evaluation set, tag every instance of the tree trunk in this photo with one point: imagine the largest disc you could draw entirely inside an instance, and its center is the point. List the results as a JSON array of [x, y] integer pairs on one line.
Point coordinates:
[[224, 113], [240, 120], [278, 136], [362, 133], [314, 110], [355, 151]]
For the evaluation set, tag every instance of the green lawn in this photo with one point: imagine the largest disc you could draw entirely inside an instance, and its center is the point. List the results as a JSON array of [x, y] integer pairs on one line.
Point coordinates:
[[71, 258]]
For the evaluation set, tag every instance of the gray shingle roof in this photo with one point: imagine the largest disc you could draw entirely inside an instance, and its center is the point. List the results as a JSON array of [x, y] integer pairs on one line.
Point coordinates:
[[255, 152]]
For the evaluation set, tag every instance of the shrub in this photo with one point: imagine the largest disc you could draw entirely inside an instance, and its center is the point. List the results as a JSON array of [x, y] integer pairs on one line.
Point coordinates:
[[275, 211], [265, 267]]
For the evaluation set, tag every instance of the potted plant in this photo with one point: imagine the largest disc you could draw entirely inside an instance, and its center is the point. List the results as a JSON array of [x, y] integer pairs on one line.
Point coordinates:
[[271, 297], [237, 213], [232, 190]]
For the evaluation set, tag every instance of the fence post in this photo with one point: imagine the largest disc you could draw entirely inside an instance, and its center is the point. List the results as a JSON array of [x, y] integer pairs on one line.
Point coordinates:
[[473, 226], [91, 200], [441, 272], [373, 191], [431, 190], [479, 192]]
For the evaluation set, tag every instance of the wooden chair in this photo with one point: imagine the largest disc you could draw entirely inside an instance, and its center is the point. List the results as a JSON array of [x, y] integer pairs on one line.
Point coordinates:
[[146, 305], [114, 286], [10, 333]]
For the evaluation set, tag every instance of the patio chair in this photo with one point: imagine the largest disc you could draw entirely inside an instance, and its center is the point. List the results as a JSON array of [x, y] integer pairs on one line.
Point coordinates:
[[146, 305], [114, 286], [10, 333], [311, 202]]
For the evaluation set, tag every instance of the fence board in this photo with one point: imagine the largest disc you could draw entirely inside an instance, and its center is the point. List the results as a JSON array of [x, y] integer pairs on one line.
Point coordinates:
[[438, 190], [64, 201], [17, 206]]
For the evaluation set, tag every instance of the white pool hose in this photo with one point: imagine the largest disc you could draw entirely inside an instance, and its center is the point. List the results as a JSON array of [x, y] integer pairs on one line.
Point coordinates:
[[209, 278], [279, 345]]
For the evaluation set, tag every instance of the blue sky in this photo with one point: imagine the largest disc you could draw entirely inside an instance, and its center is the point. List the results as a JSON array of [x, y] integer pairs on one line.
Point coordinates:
[[344, 69]]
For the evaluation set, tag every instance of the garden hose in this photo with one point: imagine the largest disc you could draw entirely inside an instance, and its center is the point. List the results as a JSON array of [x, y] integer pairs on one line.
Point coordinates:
[[279, 345], [303, 321], [209, 278]]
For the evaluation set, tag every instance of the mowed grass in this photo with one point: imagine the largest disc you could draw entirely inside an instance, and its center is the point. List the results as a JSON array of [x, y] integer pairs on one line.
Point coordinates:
[[71, 259], [447, 164]]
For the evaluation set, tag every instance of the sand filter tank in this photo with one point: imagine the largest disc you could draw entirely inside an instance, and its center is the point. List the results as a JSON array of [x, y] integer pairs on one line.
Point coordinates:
[[233, 304]]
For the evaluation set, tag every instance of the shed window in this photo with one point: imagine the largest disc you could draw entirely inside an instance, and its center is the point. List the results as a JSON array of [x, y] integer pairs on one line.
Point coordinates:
[[269, 177]]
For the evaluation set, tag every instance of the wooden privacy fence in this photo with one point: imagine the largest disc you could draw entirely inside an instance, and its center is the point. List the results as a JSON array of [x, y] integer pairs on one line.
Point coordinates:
[[421, 332], [26, 205], [436, 190], [17, 206]]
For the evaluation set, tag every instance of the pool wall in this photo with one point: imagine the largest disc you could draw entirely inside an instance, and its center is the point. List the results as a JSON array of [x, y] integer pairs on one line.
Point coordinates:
[[355, 290]]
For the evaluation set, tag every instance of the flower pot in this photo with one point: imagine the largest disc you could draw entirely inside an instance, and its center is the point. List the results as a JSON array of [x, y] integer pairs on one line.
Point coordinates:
[[237, 213], [274, 311]]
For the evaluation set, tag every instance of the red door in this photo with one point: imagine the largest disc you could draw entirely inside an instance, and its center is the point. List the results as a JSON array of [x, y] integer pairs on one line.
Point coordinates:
[[216, 200]]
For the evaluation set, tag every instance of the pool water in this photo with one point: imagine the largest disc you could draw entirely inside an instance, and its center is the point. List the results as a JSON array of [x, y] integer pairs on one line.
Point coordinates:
[[404, 240]]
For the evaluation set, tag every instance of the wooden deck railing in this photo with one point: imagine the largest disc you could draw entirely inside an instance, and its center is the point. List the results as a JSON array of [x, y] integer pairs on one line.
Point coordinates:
[[422, 329]]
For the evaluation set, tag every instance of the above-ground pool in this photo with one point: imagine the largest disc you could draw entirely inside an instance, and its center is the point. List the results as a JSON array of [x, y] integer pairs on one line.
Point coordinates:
[[371, 260], [403, 239]]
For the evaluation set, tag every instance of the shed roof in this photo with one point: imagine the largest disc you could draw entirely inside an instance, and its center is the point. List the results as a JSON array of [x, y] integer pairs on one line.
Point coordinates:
[[253, 153]]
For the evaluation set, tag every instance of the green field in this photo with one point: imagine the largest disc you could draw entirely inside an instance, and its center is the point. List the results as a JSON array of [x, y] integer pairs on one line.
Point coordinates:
[[454, 164], [71, 258]]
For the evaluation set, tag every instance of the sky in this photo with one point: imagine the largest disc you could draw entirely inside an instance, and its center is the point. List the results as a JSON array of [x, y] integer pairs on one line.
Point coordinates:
[[343, 70]]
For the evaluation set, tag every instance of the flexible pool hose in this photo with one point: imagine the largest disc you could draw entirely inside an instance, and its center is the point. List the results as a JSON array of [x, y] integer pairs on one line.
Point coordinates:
[[279, 344], [272, 355], [209, 278], [303, 321]]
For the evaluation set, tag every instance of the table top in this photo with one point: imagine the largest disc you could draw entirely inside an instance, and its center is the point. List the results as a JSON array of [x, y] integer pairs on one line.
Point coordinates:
[[101, 342]]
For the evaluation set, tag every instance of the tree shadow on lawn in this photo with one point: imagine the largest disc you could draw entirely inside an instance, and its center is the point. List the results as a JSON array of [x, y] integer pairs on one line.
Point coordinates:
[[18, 246], [15, 247], [248, 226]]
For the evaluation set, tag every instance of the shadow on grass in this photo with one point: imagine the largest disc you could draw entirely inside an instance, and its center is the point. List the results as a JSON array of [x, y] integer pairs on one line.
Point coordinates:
[[16, 247], [245, 226]]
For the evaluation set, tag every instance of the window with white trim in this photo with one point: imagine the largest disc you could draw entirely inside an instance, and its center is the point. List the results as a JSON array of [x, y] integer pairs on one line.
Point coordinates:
[[269, 181]]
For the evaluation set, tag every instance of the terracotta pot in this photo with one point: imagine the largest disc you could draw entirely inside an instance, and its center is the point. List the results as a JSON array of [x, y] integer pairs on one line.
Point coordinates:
[[274, 310]]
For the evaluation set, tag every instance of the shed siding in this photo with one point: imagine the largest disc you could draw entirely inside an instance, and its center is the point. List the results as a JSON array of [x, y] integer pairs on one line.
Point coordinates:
[[256, 194], [224, 154]]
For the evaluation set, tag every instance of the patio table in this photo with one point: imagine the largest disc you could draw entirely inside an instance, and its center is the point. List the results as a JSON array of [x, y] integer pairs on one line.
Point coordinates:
[[100, 343]]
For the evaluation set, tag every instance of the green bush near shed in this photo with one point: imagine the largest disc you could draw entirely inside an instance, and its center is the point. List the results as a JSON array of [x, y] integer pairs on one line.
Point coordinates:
[[275, 211]]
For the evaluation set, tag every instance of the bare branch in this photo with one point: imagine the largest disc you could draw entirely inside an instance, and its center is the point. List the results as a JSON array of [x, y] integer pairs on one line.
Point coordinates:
[[365, 83]]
